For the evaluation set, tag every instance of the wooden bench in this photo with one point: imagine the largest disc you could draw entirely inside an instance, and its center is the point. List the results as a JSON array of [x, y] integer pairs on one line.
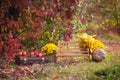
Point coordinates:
[[71, 49]]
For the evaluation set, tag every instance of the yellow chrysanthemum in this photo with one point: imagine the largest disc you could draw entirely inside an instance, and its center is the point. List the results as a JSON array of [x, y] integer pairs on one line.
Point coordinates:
[[49, 48], [87, 41]]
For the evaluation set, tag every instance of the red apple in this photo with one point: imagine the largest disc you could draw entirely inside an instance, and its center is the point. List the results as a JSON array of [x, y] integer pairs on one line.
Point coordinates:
[[35, 53], [24, 53], [20, 53], [32, 54], [39, 55]]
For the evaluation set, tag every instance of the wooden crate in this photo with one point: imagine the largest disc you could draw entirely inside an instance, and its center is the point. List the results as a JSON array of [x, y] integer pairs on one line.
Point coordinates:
[[31, 60]]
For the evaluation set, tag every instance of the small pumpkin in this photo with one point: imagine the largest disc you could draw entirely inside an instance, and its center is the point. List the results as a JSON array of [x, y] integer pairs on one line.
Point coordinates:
[[98, 55]]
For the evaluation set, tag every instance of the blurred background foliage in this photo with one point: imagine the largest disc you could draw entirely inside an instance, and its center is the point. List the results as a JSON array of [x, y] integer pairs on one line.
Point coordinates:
[[37, 22], [97, 16]]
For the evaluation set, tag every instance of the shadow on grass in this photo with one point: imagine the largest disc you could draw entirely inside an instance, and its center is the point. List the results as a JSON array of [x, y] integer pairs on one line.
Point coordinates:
[[111, 73]]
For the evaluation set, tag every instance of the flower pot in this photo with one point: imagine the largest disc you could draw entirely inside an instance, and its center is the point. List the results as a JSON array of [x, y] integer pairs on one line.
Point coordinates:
[[50, 58]]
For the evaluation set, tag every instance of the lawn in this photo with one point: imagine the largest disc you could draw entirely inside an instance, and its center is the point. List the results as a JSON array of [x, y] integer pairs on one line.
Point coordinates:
[[83, 70]]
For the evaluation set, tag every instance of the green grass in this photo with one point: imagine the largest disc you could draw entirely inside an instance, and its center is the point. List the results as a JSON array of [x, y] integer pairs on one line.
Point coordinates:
[[117, 39], [13, 66], [111, 37], [112, 69], [106, 36], [27, 78], [78, 71], [111, 73], [108, 69]]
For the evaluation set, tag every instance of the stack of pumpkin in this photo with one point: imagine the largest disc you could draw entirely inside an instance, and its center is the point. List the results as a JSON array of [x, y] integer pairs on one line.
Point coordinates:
[[95, 46]]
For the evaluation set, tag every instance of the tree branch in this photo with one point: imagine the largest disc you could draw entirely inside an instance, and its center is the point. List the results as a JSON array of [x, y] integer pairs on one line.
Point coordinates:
[[22, 32]]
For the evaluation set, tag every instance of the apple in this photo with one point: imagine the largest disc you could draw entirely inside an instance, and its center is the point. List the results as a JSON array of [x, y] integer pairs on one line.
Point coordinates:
[[35, 53], [39, 55], [32, 54], [24, 53], [20, 53]]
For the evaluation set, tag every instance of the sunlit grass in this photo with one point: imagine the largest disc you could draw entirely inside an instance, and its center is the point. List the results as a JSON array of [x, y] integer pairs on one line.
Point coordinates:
[[82, 70], [113, 37], [78, 71], [110, 73], [27, 78]]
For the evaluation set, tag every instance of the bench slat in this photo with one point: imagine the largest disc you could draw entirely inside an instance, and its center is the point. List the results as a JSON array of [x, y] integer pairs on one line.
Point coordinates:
[[70, 55]]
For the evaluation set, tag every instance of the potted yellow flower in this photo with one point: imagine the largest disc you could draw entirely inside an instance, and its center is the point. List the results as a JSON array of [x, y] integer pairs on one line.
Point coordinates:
[[96, 47], [87, 41], [50, 51]]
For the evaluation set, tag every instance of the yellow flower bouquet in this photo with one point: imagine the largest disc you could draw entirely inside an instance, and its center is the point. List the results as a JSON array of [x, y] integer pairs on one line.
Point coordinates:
[[87, 41], [49, 48]]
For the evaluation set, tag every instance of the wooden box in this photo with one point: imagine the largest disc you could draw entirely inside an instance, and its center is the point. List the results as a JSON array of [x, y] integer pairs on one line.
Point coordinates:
[[31, 60]]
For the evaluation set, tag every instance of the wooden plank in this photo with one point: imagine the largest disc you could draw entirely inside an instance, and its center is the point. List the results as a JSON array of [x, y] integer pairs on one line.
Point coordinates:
[[72, 50], [70, 55]]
